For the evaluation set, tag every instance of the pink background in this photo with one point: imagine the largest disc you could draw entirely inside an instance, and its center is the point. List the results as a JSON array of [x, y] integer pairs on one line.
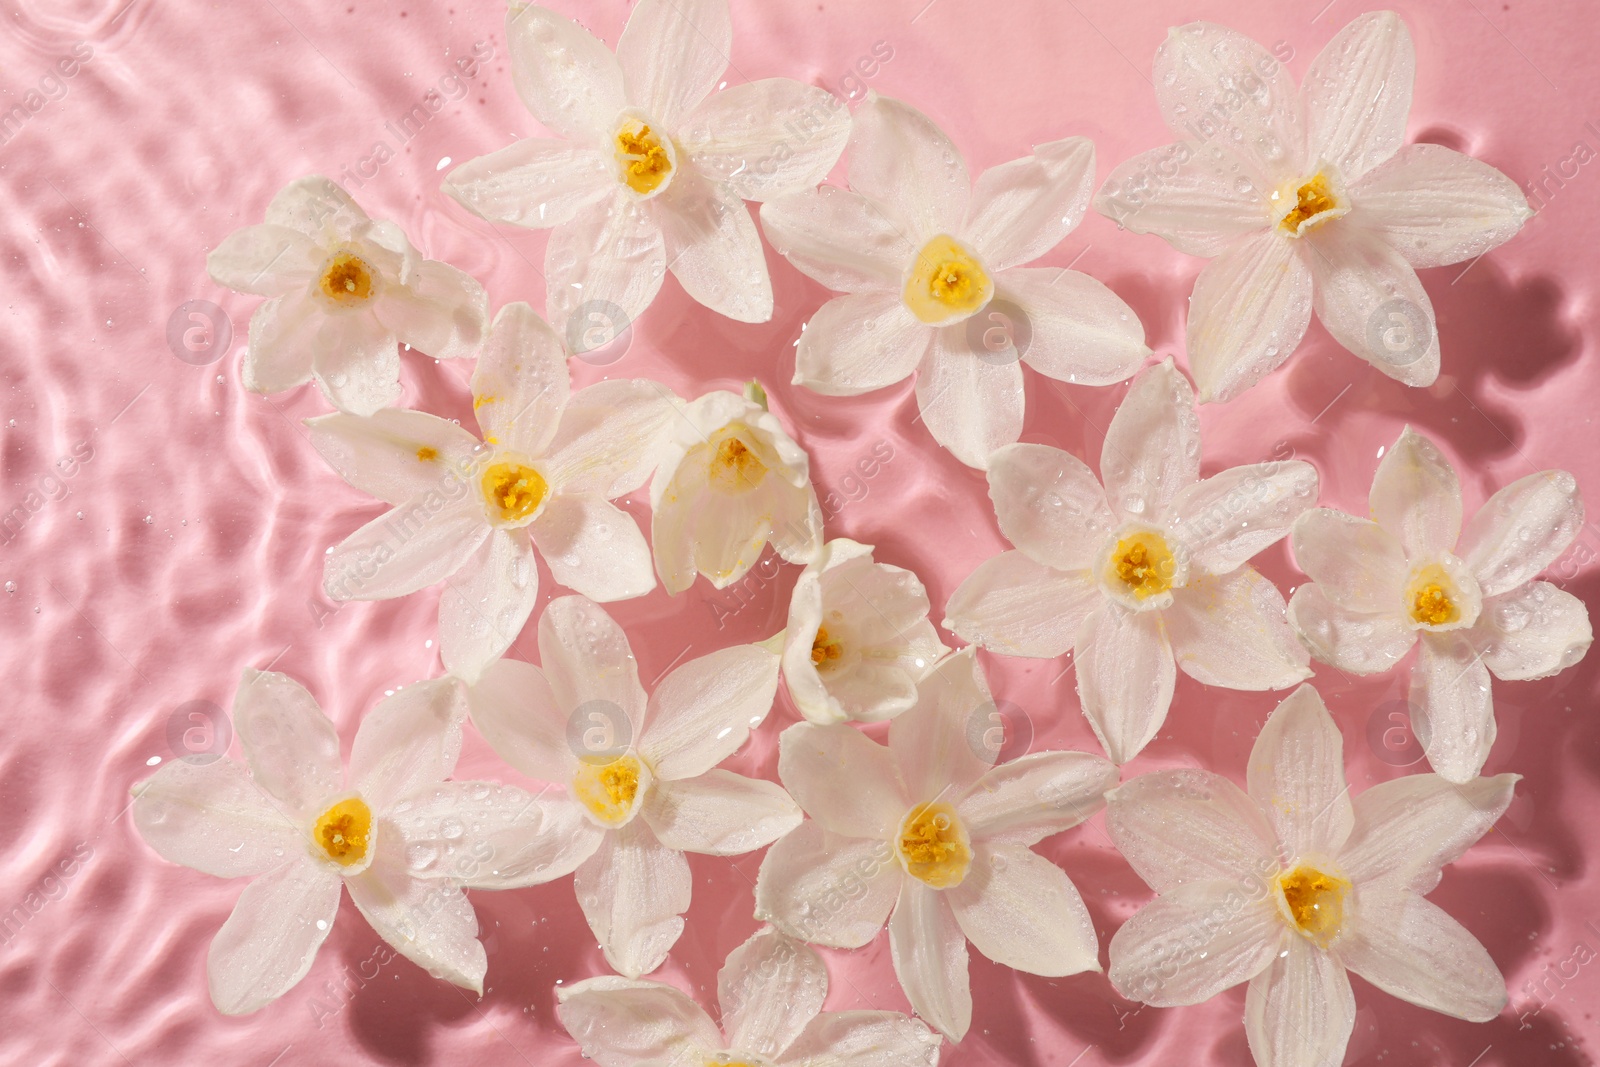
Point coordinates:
[[188, 544]]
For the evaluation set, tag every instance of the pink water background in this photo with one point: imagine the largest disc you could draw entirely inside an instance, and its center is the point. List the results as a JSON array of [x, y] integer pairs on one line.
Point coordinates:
[[172, 526]]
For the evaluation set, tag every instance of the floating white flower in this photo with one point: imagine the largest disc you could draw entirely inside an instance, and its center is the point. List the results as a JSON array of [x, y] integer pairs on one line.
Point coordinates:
[[926, 834], [470, 513], [652, 168], [344, 290], [1467, 597], [770, 991], [1290, 885], [728, 480], [858, 638], [390, 829], [1149, 569], [641, 770], [1305, 199], [930, 263]]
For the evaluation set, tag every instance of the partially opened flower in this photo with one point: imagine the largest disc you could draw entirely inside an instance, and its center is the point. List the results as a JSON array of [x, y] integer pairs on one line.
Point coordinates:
[[1306, 199], [858, 638], [1144, 574], [652, 168], [345, 291], [931, 265], [641, 770], [770, 991], [389, 829], [926, 834], [728, 480], [470, 513], [1465, 598], [1290, 885]]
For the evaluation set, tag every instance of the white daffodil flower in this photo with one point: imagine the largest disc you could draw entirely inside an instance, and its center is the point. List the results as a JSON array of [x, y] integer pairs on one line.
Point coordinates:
[[1305, 198], [469, 513], [930, 265], [390, 829], [344, 289], [640, 770], [1291, 885], [770, 991], [652, 168], [927, 834], [728, 480], [858, 638], [1149, 570], [1414, 577]]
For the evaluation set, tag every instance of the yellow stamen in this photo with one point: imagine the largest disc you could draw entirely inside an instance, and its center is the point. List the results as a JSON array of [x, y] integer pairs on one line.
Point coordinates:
[[513, 490], [427, 452], [1432, 597], [644, 160], [946, 282], [608, 789], [823, 650], [735, 467], [1316, 902], [1312, 199], [1143, 562], [344, 830], [346, 280], [934, 845]]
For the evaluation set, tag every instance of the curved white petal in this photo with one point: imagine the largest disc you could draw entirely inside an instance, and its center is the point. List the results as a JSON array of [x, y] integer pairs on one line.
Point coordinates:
[[1411, 949], [767, 138], [713, 247], [566, 77], [933, 743], [970, 405], [1358, 94], [839, 238], [355, 360], [1356, 563], [1225, 520], [521, 382], [1356, 642], [1125, 677], [283, 333], [719, 813], [1197, 196], [1416, 497], [511, 839], [1022, 911], [608, 440], [901, 159], [411, 740], [533, 182], [1297, 776], [1194, 941], [316, 207], [1181, 826], [672, 53], [586, 658], [396, 455], [1231, 631], [291, 746], [207, 814], [1034, 796], [770, 989], [1078, 330], [610, 260], [864, 1039], [594, 548], [826, 888], [431, 923], [1408, 828], [860, 342], [1452, 708], [483, 608], [273, 934], [705, 709], [1521, 530], [930, 959], [1249, 309], [443, 312], [1017, 607], [265, 260], [1049, 504], [1372, 302], [516, 711], [623, 1022], [1022, 209], [1152, 447], [1532, 632], [417, 544], [843, 779], [1436, 206], [1299, 1012], [634, 891]]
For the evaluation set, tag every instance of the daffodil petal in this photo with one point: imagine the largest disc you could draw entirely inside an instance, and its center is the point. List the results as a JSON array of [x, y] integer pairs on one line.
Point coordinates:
[[443, 313], [929, 950], [291, 746], [609, 260], [899, 158], [355, 360], [932, 742], [271, 938], [704, 710], [210, 816], [533, 182], [516, 839], [395, 454], [1532, 632], [1022, 209], [673, 53], [316, 207], [1184, 825], [1452, 709], [1125, 677], [1373, 303], [1230, 631], [1413, 950], [431, 923], [484, 607], [283, 333], [858, 343], [412, 739], [1034, 796], [719, 813], [1194, 941], [586, 658], [1297, 776], [521, 381], [1022, 911], [1358, 94], [1152, 447], [1356, 642], [265, 260], [420, 543], [634, 891], [1407, 829], [839, 238], [864, 1039], [770, 989], [1078, 330], [1229, 518], [713, 247], [564, 74], [608, 439], [828, 889], [971, 406], [594, 548], [767, 138], [515, 709], [1197, 196], [1248, 312], [1521, 530], [1299, 1012], [1018, 607], [1356, 563], [623, 1022], [1436, 206], [1416, 497], [843, 779]]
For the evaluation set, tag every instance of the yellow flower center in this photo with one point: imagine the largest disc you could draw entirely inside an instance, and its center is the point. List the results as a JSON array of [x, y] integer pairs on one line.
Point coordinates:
[[1316, 902], [823, 649], [934, 845], [735, 467], [1312, 199], [1144, 564], [608, 789], [644, 160], [514, 491], [427, 452], [1432, 598], [346, 280], [344, 830], [946, 282]]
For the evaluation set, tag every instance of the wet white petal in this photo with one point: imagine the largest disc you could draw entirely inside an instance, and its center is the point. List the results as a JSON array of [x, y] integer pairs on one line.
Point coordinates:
[[1194, 941], [1521, 530], [633, 892], [1436, 206], [1358, 94], [1249, 309], [1125, 677], [1017, 607], [1231, 631], [410, 740], [1152, 447], [269, 941], [1299, 1012]]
